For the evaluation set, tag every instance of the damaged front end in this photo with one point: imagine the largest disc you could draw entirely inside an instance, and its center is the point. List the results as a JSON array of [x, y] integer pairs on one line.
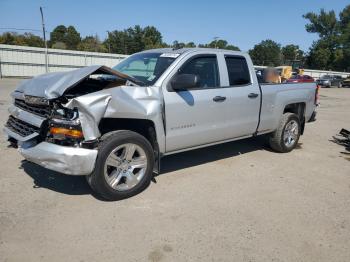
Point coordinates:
[[54, 118], [48, 140]]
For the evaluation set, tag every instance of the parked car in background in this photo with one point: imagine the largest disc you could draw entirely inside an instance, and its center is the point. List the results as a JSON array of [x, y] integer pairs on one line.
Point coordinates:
[[330, 80], [301, 79], [346, 82]]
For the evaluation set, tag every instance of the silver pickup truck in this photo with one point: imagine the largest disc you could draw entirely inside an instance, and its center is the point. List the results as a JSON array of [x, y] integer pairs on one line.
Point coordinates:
[[114, 125]]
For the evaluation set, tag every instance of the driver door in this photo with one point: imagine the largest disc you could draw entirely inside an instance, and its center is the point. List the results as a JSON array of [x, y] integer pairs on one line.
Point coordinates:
[[196, 116]]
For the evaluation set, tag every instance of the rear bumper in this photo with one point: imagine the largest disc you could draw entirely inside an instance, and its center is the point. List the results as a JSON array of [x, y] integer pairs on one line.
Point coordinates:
[[313, 117], [324, 84], [63, 159]]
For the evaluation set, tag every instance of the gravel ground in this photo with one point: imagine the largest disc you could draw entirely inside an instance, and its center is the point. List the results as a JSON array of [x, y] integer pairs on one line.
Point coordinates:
[[233, 202]]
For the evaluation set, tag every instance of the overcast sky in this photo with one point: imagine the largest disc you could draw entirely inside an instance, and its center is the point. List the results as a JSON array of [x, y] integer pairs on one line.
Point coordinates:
[[242, 23]]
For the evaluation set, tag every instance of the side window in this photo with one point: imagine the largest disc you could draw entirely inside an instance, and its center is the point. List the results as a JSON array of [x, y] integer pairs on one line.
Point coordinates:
[[238, 71], [206, 68]]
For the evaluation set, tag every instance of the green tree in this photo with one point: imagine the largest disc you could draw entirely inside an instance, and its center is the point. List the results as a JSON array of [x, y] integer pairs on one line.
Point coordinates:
[[152, 38], [291, 52], [67, 35], [319, 56], [26, 39], [221, 44], [266, 53], [177, 44], [332, 39], [190, 45], [72, 38], [33, 40], [134, 39], [92, 44], [325, 24], [58, 34], [344, 22], [59, 45]]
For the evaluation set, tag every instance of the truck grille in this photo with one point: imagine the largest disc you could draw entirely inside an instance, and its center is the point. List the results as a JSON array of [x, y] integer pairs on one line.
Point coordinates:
[[20, 127], [40, 110]]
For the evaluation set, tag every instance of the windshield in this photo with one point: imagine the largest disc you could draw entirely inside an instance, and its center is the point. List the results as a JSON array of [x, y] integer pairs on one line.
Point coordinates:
[[326, 77], [146, 67]]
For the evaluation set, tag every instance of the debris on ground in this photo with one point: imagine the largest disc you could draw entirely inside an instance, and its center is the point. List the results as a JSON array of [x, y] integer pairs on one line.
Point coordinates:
[[343, 139]]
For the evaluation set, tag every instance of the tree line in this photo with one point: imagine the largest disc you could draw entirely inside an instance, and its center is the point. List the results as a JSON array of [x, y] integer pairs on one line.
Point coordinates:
[[330, 52]]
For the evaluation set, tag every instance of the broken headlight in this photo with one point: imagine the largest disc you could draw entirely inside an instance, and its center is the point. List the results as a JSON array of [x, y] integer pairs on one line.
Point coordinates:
[[64, 127]]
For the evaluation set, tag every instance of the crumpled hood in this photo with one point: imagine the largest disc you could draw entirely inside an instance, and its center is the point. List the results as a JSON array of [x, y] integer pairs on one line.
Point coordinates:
[[53, 85]]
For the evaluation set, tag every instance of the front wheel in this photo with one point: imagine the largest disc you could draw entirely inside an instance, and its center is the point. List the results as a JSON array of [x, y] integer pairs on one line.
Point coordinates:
[[124, 165], [286, 136]]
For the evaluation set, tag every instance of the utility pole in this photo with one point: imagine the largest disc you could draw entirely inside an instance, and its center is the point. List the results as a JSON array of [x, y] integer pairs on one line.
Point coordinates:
[[44, 34], [109, 41]]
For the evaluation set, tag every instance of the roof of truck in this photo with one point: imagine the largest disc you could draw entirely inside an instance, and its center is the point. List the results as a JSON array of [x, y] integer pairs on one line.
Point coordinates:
[[184, 50]]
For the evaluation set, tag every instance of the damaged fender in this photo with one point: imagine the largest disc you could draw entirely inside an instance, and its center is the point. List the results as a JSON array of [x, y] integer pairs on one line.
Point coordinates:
[[119, 102], [91, 109]]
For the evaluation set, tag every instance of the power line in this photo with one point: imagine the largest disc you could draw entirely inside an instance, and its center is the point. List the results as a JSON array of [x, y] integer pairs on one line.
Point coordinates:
[[20, 29]]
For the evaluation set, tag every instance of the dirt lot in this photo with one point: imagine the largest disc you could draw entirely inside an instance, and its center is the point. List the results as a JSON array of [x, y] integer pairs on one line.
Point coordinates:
[[233, 202]]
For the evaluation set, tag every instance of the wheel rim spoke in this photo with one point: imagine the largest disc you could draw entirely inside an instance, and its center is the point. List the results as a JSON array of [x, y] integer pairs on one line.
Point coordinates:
[[115, 178], [290, 133], [131, 179], [125, 166], [114, 160], [129, 151], [139, 162]]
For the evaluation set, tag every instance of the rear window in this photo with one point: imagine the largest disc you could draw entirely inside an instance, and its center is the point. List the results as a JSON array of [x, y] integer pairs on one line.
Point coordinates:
[[238, 71]]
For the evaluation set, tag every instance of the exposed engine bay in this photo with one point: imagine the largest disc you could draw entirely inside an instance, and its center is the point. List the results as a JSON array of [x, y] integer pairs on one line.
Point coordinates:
[[61, 122], [70, 105], [94, 83]]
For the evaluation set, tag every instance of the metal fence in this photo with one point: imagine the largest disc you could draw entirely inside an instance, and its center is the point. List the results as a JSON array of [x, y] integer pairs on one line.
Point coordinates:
[[23, 61]]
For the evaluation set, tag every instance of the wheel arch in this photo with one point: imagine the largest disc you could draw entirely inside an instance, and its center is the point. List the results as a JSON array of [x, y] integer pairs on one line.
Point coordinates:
[[299, 110], [144, 127]]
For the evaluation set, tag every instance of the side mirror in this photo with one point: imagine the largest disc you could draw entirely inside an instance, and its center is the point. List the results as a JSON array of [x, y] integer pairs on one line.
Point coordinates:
[[184, 81]]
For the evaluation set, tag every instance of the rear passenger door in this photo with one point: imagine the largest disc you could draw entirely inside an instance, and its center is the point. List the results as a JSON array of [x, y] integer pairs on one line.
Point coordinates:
[[243, 97]]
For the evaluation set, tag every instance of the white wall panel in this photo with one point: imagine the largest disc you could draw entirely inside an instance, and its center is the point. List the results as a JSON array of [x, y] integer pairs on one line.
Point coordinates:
[[23, 61]]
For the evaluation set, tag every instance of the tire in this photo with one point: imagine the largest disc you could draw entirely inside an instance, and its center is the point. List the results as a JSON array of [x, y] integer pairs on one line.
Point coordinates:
[[118, 172], [277, 139]]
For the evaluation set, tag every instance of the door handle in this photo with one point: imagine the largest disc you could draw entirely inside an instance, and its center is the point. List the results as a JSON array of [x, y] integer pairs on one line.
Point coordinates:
[[253, 95], [219, 99]]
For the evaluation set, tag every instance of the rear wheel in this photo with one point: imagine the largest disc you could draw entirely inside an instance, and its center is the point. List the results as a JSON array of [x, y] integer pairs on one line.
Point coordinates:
[[286, 137], [124, 165]]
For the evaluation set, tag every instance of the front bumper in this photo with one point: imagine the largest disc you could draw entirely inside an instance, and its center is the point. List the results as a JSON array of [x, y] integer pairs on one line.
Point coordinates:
[[63, 159], [67, 160]]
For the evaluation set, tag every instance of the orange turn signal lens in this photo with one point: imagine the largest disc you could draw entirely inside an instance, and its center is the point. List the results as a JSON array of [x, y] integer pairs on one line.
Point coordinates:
[[66, 132]]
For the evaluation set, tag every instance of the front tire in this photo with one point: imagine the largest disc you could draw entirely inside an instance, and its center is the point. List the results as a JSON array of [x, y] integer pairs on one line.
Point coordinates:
[[286, 136], [124, 165]]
